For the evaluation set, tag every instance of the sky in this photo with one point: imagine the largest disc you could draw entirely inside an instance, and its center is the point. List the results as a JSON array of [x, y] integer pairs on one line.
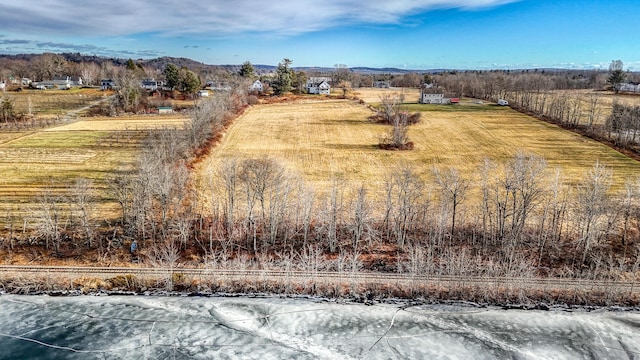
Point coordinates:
[[410, 34]]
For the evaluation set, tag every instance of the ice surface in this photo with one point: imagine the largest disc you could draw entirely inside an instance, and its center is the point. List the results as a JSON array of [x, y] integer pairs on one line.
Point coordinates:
[[138, 327]]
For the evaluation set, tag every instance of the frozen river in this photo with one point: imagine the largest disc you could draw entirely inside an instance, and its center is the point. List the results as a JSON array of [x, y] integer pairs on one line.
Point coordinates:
[[138, 327]]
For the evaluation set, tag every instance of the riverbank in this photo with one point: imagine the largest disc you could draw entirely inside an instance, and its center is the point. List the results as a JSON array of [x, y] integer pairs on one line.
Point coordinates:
[[366, 288]]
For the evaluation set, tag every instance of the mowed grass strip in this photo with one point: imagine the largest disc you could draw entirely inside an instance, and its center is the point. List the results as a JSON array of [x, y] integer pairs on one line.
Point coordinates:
[[324, 139]]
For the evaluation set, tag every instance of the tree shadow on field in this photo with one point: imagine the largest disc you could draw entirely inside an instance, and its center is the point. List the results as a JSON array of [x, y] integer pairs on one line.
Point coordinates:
[[339, 122], [352, 146]]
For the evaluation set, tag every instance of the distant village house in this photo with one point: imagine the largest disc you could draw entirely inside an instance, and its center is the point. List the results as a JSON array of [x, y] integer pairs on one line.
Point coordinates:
[[630, 87], [318, 86], [107, 84], [62, 83], [257, 87], [150, 84], [383, 84], [437, 96]]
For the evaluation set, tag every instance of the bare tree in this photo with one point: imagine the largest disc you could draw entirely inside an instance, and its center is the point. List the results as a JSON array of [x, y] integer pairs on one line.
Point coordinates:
[[591, 201], [527, 173], [51, 217], [128, 91], [361, 218], [164, 255], [89, 73], [454, 189], [391, 113], [330, 216], [553, 214], [404, 190], [307, 197], [82, 207], [229, 175]]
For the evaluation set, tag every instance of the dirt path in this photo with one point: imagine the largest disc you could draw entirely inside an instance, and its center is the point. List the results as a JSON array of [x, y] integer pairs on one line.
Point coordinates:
[[72, 115]]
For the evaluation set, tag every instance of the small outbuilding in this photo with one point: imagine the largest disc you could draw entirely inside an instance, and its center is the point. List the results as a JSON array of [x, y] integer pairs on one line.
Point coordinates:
[[503, 102]]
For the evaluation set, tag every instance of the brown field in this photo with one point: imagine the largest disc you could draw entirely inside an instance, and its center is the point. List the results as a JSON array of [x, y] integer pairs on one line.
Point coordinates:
[[372, 95], [324, 139], [51, 103], [92, 148]]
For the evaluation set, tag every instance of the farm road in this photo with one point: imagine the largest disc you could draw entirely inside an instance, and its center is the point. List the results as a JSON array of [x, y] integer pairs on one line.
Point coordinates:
[[73, 114]]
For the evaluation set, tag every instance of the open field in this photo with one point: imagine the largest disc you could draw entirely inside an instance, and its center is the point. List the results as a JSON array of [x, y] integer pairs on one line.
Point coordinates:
[[372, 95], [51, 103], [321, 140], [92, 148]]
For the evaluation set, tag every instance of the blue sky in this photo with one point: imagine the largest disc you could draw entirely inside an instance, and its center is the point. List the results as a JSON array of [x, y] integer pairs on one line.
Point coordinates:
[[412, 34]]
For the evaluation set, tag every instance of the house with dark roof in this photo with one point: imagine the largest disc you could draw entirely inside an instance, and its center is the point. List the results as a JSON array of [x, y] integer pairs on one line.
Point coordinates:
[[107, 84], [318, 87], [150, 84]]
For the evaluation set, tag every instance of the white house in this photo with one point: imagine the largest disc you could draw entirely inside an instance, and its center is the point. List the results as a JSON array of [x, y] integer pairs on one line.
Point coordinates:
[[106, 84], [150, 84], [437, 96], [65, 82], [630, 86], [257, 86], [203, 93], [382, 84], [322, 87]]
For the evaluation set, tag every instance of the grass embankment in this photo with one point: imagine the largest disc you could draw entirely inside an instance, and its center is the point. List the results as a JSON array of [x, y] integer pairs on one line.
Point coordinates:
[[512, 294]]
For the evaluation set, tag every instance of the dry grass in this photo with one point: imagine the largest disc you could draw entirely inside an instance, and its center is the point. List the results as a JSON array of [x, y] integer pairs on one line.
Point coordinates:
[[93, 148], [320, 140], [51, 103], [131, 122], [372, 95]]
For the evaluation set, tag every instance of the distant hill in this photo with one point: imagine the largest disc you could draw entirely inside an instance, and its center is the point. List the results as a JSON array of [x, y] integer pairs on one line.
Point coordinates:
[[161, 62]]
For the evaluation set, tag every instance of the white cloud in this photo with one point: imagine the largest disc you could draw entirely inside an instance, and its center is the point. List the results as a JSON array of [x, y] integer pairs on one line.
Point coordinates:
[[211, 17]]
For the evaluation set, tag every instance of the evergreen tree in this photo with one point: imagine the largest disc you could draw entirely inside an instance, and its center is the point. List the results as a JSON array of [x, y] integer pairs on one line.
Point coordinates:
[[189, 81], [284, 77], [172, 75], [131, 65], [616, 75], [247, 70]]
